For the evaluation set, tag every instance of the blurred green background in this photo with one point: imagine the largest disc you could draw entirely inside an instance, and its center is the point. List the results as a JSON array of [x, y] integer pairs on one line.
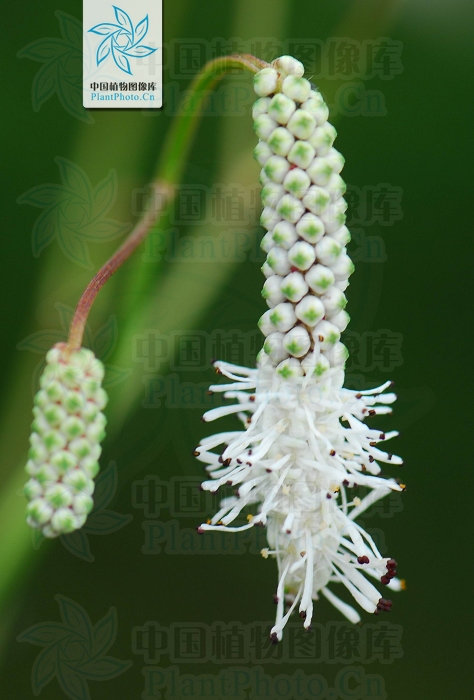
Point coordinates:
[[415, 289]]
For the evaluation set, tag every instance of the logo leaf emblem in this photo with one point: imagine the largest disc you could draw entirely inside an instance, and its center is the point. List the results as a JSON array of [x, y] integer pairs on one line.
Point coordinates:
[[122, 40]]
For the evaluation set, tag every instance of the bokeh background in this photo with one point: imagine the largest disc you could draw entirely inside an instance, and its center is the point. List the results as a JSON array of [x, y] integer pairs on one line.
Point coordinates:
[[409, 300]]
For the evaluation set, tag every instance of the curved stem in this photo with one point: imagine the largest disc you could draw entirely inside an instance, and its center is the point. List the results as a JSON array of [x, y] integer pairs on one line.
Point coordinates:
[[172, 161]]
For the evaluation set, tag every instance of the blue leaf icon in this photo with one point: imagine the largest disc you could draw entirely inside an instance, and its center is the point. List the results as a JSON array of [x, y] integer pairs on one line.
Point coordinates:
[[139, 51], [105, 29], [141, 30], [123, 19], [103, 51], [122, 62]]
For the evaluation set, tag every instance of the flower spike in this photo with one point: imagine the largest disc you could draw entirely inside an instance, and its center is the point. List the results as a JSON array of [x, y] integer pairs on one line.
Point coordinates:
[[305, 445], [65, 441]]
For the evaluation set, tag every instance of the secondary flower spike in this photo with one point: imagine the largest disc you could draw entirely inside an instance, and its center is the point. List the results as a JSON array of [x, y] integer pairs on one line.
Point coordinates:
[[304, 446], [65, 441]]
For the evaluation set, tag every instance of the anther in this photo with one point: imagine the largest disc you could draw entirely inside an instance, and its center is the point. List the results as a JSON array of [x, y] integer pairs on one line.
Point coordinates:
[[363, 560]]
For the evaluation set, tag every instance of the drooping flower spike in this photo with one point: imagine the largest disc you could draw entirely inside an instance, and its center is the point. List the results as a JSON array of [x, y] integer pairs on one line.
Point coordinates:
[[67, 429], [304, 446]]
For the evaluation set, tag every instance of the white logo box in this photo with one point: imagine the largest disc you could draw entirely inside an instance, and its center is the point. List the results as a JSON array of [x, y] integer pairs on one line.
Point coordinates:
[[122, 54]]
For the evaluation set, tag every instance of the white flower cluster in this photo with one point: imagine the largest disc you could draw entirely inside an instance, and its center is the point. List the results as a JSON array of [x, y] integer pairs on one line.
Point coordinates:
[[65, 441], [305, 465]]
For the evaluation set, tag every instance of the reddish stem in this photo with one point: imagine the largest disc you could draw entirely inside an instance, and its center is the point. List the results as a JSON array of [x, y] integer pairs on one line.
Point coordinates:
[[180, 136]]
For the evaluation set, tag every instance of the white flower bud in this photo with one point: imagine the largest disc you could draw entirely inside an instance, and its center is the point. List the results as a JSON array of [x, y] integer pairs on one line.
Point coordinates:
[[274, 347], [277, 258], [284, 234], [301, 255], [271, 291], [337, 355], [302, 124], [269, 218], [328, 251], [263, 126], [280, 141], [281, 108], [38, 512], [263, 178], [64, 521], [267, 242], [297, 89], [320, 278], [283, 317], [321, 115], [289, 369], [82, 504], [265, 324], [341, 236], [343, 267], [294, 287], [314, 101], [297, 182], [271, 194], [262, 152], [336, 160], [316, 200], [32, 489], [310, 227], [290, 208], [297, 342], [308, 363], [267, 270], [342, 284], [301, 154], [260, 106], [265, 82], [310, 310], [67, 429], [334, 217], [341, 320], [327, 333], [58, 495], [334, 301], [323, 138], [320, 171], [287, 65], [276, 168], [315, 364], [336, 186]]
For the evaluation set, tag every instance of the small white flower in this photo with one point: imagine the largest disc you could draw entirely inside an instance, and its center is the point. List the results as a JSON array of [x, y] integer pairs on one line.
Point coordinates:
[[304, 445]]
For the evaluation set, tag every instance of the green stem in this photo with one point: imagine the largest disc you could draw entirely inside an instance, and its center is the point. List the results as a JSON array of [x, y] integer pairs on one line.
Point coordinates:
[[172, 163]]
